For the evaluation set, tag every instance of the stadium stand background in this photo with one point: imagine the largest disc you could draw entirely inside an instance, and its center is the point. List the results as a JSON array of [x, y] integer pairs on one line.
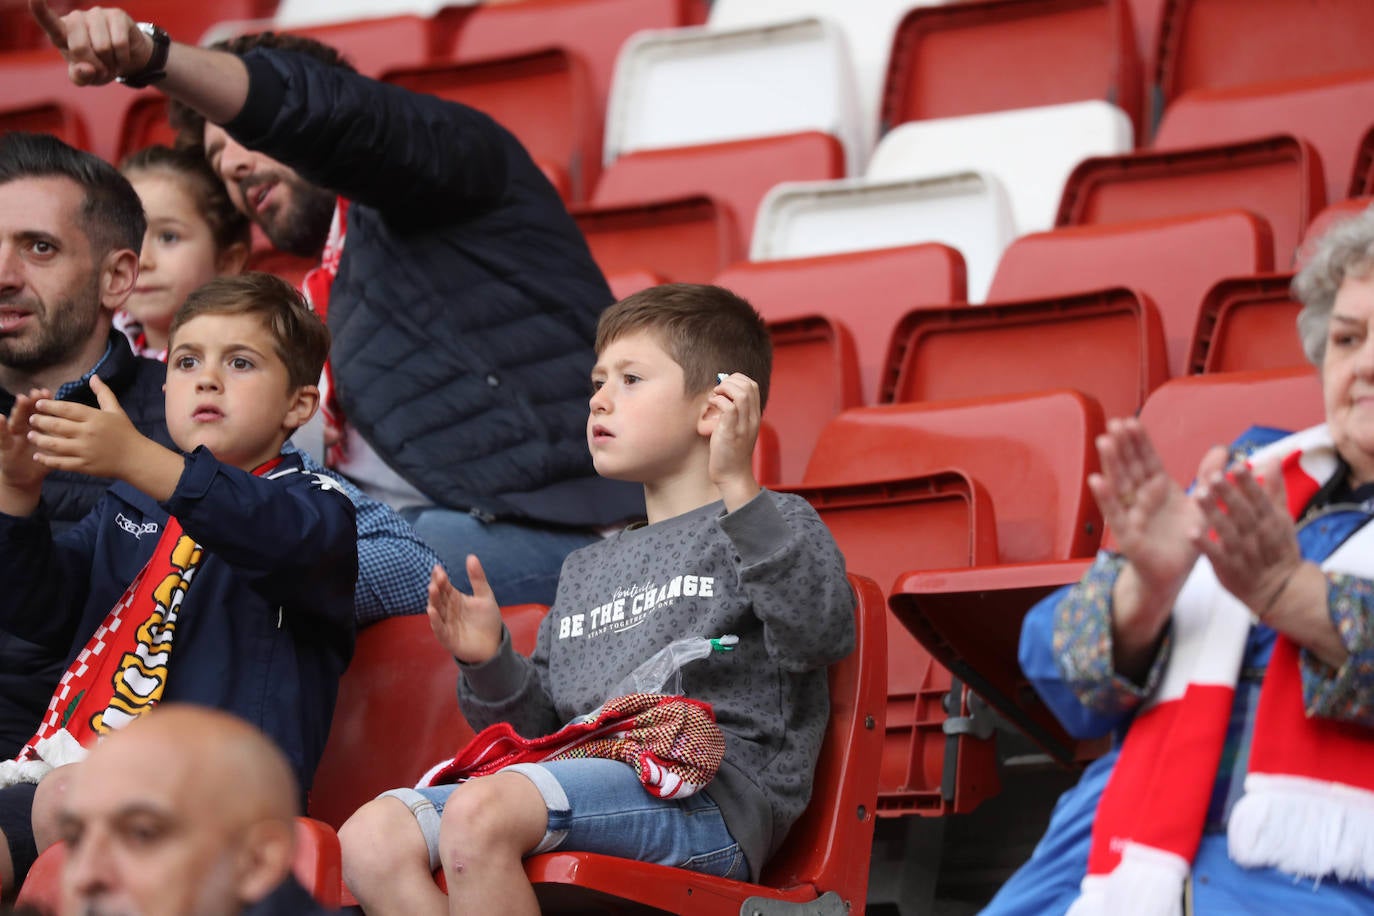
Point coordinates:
[[977, 228]]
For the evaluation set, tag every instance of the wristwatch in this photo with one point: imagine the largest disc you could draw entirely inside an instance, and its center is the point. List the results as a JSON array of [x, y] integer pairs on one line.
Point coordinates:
[[156, 68]]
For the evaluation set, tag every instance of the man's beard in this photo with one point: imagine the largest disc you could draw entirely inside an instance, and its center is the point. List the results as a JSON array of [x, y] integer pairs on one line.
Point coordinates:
[[302, 228], [61, 331]]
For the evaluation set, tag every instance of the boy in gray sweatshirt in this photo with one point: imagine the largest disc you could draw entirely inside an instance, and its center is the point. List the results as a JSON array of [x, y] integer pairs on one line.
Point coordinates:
[[678, 388]]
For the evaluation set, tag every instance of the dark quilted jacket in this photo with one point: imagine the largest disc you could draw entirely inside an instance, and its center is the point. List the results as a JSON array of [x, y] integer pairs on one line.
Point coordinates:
[[466, 301]]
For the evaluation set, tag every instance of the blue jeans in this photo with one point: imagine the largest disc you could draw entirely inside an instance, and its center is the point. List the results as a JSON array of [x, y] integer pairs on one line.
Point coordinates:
[[600, 806], [521, 559]]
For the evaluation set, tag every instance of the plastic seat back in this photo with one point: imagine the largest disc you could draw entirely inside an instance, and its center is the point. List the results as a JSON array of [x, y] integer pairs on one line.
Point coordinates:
[[815, 376], [1106, 344], [1279, 179], [687, 240], [1331, 215], [1187, 416], [377, 45], [697, 85], [738, 173], [542, 97], [1030, 150], [992, 55], [397, 712], [1218, 43], [866, 291], [594, 30], [968, 211], [1158, 257], [1331, 112], [1247, 323], [826, 852]]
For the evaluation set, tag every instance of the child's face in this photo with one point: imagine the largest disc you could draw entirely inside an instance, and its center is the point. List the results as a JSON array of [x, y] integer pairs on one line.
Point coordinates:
[[642, 425], [178, 254], [228, 390]]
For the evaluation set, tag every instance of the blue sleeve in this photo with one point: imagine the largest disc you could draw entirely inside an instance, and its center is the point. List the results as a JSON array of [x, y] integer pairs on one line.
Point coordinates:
[[46, 580], [292, 534], [403, 153], [1345, 693], [393, 563]]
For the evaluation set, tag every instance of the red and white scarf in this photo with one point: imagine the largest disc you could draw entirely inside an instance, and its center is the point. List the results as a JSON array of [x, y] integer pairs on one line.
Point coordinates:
[[316, 287], [122, 671], [672, 742], [1308, 807]]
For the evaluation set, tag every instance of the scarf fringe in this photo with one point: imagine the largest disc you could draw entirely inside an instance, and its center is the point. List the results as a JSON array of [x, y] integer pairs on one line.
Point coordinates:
[[58, 749], [1304, 827], [1146, 882]]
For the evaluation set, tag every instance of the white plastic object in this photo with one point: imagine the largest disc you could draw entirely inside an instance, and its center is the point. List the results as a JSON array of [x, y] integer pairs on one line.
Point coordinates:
[[662, 671], [1031, 150], [967, 211], [680, 87]]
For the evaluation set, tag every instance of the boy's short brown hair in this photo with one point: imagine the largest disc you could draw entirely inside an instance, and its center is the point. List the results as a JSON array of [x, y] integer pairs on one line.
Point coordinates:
[[705, 329], [298, 335]]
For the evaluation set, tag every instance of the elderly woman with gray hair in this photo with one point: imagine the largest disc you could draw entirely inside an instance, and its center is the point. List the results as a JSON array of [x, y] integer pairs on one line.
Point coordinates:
[[1228, 645]]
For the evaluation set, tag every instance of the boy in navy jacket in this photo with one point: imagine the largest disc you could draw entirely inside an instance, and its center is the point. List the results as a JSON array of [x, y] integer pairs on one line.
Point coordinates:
[[223, 576]]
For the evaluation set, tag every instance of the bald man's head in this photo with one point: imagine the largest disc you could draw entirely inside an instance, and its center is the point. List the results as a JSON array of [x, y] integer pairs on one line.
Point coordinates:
[[186, 811]]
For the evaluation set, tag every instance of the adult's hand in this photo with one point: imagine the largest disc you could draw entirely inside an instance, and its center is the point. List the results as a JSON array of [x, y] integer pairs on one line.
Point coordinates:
[[1154, 522], [98, 44]]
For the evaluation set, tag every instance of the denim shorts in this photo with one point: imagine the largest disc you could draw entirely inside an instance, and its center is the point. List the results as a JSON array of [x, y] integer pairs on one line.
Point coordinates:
[[600, 806]]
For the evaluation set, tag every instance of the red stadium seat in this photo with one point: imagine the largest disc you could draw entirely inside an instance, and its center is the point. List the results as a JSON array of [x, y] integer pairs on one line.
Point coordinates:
[[737, 173], [824, 861], [145, 124], [54, 118], [317, 867], [815, 376], [1021, 453], [1219, 43], [689, 240], [1278, 178], [629, 280], [1107, 344], [1187, 416], [397, 713], [1247, 323], [375, 46], [1157, 257], [542, 97], [866, 291], [1331, 112], [38, 96], [991, 55], [594, 30]]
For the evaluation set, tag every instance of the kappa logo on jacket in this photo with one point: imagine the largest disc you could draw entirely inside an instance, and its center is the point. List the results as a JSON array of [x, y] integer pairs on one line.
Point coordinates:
[[129, 526]]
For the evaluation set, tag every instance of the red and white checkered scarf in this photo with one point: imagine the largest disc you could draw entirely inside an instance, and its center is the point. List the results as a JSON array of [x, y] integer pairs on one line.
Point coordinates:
[[1308, 807], [672, 742]]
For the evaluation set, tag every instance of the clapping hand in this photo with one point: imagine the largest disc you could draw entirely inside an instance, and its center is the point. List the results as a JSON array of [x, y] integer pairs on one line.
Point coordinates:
[[468, 626]]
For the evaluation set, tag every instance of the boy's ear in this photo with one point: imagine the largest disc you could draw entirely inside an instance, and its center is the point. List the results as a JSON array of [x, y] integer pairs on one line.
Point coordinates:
[[305, 400], [708, 416], [231, 260], [118, 277]]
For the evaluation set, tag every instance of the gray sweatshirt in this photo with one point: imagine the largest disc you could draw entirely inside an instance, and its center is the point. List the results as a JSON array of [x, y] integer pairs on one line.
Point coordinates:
[[770, 573]]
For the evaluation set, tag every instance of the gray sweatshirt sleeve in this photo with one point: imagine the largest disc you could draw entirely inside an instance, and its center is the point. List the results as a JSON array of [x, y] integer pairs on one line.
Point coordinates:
[[794, 575], [510, 688]]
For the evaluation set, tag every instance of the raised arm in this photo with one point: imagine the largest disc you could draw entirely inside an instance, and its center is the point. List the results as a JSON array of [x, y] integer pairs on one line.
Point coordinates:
[[101, 45]]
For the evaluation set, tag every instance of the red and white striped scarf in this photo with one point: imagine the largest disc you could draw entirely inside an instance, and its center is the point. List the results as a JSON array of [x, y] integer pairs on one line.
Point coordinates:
[[1308, 807], [672, 742], [316, 287]]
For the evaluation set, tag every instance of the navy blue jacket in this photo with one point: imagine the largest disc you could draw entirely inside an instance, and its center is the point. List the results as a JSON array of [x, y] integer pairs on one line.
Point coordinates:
[[29, 672], [466, 301], [266, 628]]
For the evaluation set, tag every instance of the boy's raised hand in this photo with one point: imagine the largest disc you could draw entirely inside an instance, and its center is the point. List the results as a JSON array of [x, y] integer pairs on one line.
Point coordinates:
[[468, 626], [732, 440], [73, 437], [21, 475]]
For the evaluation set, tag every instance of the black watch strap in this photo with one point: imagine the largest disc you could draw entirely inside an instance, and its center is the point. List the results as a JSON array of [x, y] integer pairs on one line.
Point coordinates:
[[156, 68]]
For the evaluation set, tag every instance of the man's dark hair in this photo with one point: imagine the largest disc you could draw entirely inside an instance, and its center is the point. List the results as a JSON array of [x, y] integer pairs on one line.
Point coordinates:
[[190, 124], [111, 213]]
